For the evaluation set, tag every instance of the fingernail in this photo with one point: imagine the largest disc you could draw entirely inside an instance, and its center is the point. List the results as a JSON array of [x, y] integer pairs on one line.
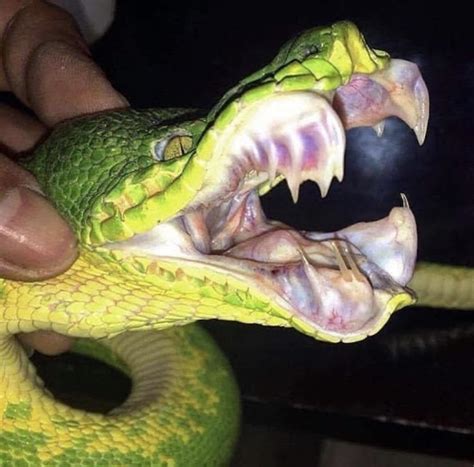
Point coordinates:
[[33, 236]]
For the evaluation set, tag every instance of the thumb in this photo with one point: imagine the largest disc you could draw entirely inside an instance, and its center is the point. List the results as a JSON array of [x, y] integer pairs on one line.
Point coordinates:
[[35, 241]]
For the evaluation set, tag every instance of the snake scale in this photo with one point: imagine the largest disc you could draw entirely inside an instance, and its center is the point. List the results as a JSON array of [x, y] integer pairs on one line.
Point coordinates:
[[165, 204]]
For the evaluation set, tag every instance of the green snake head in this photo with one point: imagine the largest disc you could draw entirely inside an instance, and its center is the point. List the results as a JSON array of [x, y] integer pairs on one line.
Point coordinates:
[[164, 193]]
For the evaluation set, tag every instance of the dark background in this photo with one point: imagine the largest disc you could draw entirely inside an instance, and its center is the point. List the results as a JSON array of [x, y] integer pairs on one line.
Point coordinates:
[[410, 387]]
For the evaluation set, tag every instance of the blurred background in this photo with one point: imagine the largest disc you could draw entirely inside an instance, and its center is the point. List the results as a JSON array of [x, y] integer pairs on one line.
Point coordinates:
[[405, 396]]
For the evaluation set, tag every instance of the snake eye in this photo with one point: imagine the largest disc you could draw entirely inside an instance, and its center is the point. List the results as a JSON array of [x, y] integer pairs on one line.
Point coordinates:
[[173, 147]]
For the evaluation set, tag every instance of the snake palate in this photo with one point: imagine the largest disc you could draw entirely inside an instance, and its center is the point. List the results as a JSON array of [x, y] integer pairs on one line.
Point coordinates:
[[166, 207]]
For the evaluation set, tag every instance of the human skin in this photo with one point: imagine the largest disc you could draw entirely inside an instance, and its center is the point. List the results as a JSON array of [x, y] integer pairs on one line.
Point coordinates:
[[46, 64]]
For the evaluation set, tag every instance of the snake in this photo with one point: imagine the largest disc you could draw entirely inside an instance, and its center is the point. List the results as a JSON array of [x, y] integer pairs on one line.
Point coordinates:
[[165, 204]]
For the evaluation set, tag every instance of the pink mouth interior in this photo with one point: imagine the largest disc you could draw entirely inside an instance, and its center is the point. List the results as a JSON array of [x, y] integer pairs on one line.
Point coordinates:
[[338, 281], [328, 278]]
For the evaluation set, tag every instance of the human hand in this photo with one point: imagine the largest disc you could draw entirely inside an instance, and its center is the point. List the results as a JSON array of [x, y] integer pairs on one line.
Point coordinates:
[[46, 64]]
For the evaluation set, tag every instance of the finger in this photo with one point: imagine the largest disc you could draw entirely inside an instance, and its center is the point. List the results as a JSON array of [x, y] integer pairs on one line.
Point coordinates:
[[35, 242], [8, 9], [48, 66], [46, 342], [20, 132], [25, 25]]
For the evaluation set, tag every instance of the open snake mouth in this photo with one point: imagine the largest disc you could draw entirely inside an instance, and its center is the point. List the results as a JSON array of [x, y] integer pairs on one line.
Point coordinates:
[[338, 286]]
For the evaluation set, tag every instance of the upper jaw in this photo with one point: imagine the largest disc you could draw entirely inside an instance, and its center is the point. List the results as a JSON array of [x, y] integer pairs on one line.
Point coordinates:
[[398, 90], [300, 135]]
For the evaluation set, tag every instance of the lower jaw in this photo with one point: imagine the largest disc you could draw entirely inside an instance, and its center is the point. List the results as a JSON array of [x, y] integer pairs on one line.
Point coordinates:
[[289, 296]]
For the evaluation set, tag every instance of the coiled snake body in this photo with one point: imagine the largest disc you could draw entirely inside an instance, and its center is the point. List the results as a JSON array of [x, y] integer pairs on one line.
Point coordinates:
[[165, 204]]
